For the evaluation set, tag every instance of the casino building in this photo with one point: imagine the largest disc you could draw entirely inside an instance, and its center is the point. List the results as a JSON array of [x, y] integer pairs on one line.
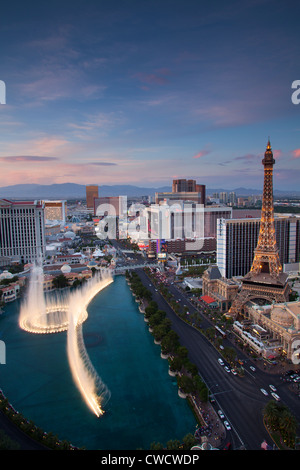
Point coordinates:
[[22, 230]]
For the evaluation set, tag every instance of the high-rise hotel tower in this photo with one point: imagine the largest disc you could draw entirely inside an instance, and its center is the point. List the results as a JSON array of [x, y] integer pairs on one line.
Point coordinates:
[[22, 230]]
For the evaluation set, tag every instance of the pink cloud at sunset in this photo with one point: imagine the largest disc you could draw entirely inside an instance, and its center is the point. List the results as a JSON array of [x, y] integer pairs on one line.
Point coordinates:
[[296, 153], [202, 153]]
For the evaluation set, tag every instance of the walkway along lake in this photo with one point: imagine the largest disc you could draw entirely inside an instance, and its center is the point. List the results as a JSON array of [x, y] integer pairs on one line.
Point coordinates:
[[144, 406]]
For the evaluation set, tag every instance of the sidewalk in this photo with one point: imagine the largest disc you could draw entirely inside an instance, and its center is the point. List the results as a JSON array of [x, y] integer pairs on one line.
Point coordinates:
[[213, 428]]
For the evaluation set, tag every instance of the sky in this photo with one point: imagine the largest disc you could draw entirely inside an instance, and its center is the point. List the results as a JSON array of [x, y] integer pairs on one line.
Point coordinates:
[[144, 92]]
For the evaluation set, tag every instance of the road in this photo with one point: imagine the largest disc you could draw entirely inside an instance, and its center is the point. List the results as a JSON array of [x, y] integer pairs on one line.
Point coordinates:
[[18, 437], [239, 398]]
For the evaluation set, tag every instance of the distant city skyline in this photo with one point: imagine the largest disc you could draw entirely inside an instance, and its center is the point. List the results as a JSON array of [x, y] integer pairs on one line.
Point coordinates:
[[141, 93]]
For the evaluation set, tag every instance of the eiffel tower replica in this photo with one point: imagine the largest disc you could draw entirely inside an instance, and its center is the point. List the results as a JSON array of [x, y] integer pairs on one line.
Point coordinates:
[[265, 282]]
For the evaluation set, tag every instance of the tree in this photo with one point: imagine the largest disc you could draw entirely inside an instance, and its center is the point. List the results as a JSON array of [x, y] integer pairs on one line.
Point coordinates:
[[149, 311], [161, 329], [186, 383], [170, 343], [173, 444], [156, 446], [191, 368], [271, 414], [176, 364], [288, 426], [189, 441], [157, 318], [60, 281], [182, 352], [279, 418]]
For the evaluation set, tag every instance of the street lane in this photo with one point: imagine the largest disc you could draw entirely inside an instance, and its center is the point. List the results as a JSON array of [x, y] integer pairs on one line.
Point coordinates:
[[242, 403]]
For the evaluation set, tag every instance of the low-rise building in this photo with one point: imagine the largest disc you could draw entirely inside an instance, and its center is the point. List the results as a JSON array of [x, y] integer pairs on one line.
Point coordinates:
[[222, 290], [272, 330]]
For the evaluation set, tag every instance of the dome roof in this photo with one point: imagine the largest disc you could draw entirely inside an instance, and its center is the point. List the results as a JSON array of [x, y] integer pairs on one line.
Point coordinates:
[[6, 275], [70, 234], [65, 268], [280, 315], [92, 264]]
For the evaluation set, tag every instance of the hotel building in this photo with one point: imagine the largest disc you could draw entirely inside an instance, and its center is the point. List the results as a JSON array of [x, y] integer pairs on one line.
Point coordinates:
[[110, 205], [237, 240], [55, 211], [91, 194], [22, 230], [184, 190]]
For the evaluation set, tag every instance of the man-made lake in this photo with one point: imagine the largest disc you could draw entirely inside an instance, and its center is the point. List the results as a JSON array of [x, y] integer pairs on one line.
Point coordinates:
[[144, 406]]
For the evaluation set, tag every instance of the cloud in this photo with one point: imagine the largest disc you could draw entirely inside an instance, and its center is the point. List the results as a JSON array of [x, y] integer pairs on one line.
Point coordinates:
[[247, 158], [26, 158], [102, 163], [202, 153], [277, 153], [105, 121], [296, 153], [156, 78]]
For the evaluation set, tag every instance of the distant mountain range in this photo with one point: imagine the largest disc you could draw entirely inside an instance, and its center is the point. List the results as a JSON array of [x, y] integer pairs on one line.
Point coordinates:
[[78, 191], [72, 191]]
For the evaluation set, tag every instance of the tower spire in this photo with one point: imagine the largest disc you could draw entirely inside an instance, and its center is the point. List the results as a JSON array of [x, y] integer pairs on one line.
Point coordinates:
[[265, 279], [266, 258]]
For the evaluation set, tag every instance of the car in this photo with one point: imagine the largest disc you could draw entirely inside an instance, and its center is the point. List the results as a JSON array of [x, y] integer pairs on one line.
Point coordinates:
[[272, 388], [227, 425], [220, 362], [264, 391], [252, 368], [227, 369], [220, 413], [234, 372], [274, 395]]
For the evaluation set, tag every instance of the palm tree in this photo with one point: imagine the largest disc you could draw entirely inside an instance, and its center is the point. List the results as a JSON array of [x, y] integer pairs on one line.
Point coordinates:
[[189, 441], [280, 419], [288, 425], [173, 444], [271, 414]]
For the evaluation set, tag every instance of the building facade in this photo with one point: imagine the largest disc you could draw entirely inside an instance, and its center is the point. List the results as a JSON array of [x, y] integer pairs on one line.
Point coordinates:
[[222, 290], [237, 240], [55, 211], [184, 190], [91, 194], [22, 230], [110, 205], [275, 327]]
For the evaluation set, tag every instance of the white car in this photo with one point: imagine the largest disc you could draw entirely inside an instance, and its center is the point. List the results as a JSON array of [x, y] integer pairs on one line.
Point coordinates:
[[274, 395], [227, 369], [272, 388], [252, 368], [264, 391], [227, 425], [220, 413], [220, 362]]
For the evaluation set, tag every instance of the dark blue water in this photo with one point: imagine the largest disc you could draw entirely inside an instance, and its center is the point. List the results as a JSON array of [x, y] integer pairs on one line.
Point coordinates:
[[144, 406]]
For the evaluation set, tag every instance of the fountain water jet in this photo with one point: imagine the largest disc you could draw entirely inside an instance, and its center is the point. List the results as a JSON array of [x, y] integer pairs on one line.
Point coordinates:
[[90, 385], [39, 314], [93, 390]]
